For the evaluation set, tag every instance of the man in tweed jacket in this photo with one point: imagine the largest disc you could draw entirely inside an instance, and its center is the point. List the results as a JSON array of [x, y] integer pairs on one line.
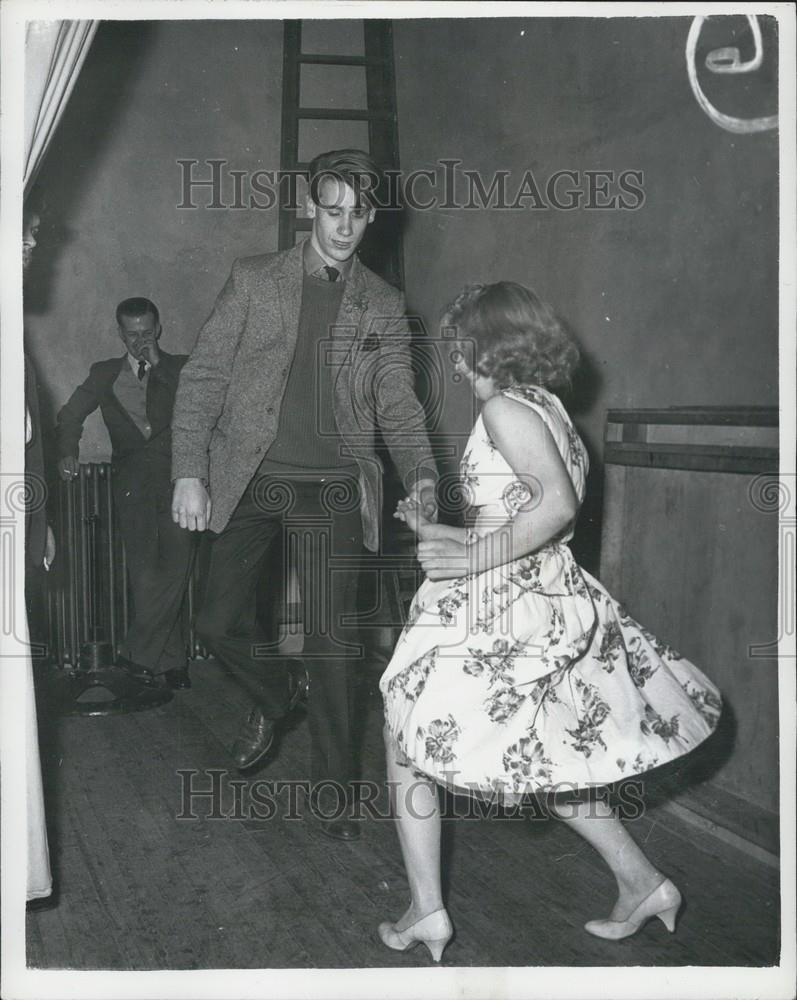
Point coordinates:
[[304, 357]]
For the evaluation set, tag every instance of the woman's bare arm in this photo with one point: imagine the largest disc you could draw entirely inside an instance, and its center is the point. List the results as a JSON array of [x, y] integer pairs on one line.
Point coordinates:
[[543, 496], [545, 500]]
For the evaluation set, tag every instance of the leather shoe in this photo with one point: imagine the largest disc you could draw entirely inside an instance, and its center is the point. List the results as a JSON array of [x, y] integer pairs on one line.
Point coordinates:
[[340, 829], [259, 733], [142, 674], [299, 681], [333, 816], [254, 741], [177, 680], [43, 902]]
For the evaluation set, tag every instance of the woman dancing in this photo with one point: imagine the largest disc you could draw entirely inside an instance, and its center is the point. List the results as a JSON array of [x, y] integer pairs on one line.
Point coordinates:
[[517, 673]]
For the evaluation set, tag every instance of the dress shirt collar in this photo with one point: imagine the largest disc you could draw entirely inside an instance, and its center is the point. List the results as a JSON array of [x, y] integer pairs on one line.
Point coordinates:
[[133, 362], [314, 262]]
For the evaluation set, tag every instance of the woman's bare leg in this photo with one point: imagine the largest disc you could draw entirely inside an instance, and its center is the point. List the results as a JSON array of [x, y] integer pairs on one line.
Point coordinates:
[[417, 811], [595, 821]]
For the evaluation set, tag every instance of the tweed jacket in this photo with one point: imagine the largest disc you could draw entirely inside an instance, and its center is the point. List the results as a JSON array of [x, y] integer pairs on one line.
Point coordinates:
[[228, 402]]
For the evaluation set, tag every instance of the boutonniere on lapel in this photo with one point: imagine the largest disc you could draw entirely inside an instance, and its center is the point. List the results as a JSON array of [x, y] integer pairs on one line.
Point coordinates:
[[355, 301], [355, 305]]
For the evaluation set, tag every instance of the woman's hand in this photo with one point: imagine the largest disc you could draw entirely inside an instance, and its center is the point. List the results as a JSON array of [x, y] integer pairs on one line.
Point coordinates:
[[410, 512], [444, 558]]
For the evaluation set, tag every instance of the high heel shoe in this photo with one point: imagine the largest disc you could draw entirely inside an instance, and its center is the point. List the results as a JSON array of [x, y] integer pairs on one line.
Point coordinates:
[[663, 902], [434, 930]]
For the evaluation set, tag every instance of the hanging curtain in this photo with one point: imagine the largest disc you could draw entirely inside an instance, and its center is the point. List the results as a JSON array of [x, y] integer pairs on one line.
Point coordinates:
[[54, 54]]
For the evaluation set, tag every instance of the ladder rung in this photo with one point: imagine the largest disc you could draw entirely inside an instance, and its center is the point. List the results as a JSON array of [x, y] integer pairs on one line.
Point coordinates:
[[377, 59], [348, 115], [304, 164], [337, 60]]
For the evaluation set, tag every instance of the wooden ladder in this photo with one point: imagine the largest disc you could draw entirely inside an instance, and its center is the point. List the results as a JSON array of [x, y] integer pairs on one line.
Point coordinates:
[[381, 249]]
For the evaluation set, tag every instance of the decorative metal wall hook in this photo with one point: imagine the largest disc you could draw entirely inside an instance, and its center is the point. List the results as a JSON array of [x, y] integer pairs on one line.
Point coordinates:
[[727, 60]]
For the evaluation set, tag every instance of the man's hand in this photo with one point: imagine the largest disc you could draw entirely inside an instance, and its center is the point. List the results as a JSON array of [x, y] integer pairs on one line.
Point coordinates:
[[49, 548], [412, 515], [191, 504], [150, 352], [423, 494], [444, 559], [68, 468]]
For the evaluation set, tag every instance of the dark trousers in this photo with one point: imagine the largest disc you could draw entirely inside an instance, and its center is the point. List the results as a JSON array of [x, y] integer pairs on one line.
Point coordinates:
[[159, 557], [318, 524]]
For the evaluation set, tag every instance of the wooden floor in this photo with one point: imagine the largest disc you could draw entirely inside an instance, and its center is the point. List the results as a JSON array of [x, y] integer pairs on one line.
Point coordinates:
[[141, 888]]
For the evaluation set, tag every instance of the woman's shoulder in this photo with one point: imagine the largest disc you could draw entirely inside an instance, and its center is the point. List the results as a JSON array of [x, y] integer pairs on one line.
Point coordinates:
[[545, 402], [503, 411], [532, 395], [517, 399]]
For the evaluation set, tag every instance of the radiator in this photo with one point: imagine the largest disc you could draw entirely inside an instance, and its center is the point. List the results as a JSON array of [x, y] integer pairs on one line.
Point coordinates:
[[88, 597]]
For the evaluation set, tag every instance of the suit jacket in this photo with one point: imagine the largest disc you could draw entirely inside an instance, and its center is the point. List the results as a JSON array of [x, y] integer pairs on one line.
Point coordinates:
[[139, 463], [227, 409]]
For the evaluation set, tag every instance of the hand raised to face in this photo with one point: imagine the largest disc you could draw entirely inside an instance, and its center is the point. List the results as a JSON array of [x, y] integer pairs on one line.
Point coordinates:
[[140, 336]]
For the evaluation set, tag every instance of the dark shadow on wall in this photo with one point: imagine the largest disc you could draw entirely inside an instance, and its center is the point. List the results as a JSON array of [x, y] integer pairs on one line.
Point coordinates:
[[587, 382], [579, 400], [381, 248], [101, 92], [672, 779], [586, 543], [433, 377], [103, 89]]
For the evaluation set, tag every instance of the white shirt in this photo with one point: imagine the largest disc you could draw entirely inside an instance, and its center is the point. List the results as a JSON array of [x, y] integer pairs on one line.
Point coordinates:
[[133, 362]]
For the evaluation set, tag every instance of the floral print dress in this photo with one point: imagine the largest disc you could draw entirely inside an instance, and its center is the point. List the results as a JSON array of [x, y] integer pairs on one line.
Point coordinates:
[[531, 675]]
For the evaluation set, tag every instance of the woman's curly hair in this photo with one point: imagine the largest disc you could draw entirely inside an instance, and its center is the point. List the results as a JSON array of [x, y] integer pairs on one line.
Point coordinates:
[[516, 338]]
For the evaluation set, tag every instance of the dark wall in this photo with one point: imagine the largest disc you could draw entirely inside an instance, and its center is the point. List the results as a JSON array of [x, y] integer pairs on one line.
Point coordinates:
[[675, 302], [149, 94]]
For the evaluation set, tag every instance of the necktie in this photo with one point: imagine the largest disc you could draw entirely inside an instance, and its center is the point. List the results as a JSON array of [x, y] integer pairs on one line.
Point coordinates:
[[332, 272], [142, 369]]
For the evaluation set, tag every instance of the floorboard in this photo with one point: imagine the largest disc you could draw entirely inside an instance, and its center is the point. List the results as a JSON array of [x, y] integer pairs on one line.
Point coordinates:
[[143, 887]]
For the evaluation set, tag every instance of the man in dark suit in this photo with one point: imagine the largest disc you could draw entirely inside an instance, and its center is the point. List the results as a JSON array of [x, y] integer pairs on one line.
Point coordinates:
[[135, 394], [303, 359]]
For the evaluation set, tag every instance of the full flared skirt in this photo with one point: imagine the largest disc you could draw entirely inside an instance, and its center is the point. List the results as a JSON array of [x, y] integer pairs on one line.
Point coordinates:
[[531, 677]]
